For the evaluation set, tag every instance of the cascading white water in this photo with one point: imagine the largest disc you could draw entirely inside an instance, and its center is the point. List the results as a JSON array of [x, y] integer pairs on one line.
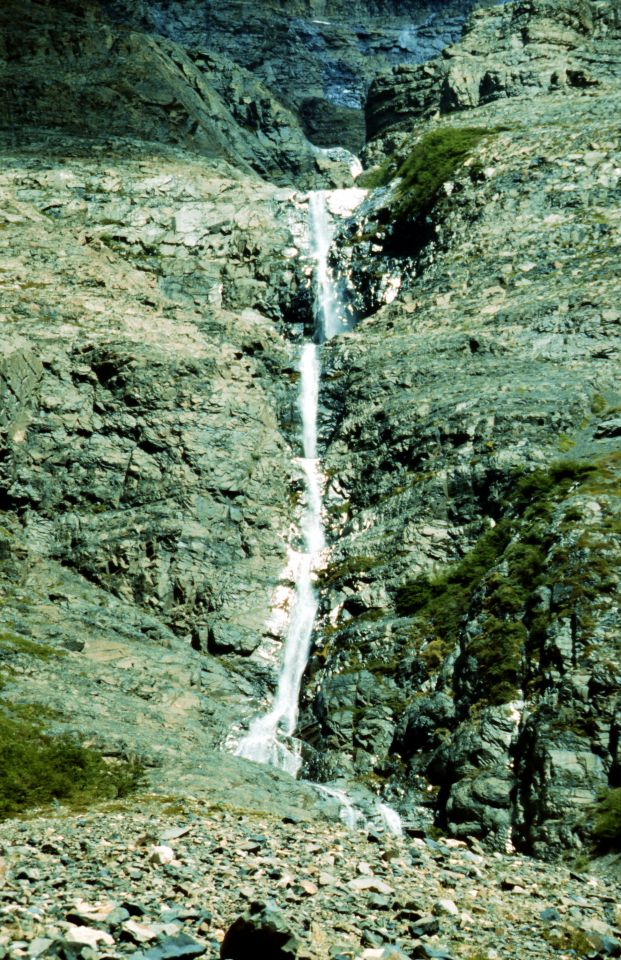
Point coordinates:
[[270, 737], [391, 819], [347, 812], [329, 314]]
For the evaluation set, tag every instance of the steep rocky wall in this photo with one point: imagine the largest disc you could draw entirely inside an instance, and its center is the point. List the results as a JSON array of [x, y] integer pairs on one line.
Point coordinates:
[[66, 66], [516, 50], [316, 57], [466, 663], [468, 657], [147, 398]]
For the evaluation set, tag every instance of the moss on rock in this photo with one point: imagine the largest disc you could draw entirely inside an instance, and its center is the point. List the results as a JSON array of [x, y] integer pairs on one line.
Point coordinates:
[[496, 585]]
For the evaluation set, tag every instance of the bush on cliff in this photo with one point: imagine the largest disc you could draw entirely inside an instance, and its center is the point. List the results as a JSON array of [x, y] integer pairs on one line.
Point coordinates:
[[607, 824], [432, 162], [422, 171], [497, 585]]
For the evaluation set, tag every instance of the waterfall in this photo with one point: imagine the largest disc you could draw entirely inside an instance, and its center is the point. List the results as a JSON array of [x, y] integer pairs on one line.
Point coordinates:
[[329, 314], [270, 737]]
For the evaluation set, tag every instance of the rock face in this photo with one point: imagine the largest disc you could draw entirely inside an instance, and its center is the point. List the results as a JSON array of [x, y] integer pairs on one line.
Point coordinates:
[[318, 58], [512, 50], [154, 291], [147, 393], [71, 68], [470, 635]]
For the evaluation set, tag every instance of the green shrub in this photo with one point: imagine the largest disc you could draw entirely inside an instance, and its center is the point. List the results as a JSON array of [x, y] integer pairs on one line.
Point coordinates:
[[432, 162], [498, 650], [445, 598], [36, 769], [512, 629], [607, 824]]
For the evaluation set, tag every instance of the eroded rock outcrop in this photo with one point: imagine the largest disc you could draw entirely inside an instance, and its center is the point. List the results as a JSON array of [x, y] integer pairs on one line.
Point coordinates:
[[470, 628], [69, 67], [146, 390], [318, 58], [515, 50]]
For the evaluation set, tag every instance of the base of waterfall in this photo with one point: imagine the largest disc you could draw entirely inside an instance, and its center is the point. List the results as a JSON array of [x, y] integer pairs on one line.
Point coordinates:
[[266, 744], [364, 812]]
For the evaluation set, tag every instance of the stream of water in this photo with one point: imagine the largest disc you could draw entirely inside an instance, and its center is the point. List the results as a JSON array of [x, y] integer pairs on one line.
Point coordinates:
[[270, 738]]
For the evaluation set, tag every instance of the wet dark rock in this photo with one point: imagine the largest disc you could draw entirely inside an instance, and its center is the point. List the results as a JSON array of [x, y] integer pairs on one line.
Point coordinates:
[[481, 617]]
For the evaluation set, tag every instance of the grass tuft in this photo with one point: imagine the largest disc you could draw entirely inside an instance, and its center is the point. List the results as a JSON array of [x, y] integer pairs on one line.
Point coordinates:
[[432, 162]]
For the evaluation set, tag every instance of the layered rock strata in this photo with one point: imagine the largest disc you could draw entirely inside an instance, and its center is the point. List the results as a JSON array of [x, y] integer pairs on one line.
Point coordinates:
[[146, 472], [470, 635], [317, 58], [466, 663], [515, 50]]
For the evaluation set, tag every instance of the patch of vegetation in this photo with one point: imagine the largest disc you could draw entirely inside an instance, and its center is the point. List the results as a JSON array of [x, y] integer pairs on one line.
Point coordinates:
[[37, 769], [607, 823], [443, 600], [503, 572], [17, 643], [432, 162], [569, 940], [378, 176]]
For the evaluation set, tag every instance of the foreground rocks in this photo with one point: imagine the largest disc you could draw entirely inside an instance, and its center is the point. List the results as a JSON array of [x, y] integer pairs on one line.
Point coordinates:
[[180, 879]]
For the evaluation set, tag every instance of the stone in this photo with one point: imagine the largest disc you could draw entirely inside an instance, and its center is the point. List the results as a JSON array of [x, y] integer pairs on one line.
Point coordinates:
[[374, 884], [161, 855], [446, 908], [181, 946], [87, 937], [138, 932], [550, 915], [39, 946], [422, 951], [261, 931]]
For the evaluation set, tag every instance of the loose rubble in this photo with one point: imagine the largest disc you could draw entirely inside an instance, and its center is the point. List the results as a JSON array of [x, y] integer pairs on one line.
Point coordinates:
[[97, 885]]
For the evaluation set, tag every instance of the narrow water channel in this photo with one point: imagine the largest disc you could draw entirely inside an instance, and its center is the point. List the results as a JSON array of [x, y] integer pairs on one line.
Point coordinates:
[[270, 736]]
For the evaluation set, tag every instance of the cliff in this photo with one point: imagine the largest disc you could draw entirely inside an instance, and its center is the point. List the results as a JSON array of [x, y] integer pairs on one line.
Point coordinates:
[[470, 635], [156, 288]]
